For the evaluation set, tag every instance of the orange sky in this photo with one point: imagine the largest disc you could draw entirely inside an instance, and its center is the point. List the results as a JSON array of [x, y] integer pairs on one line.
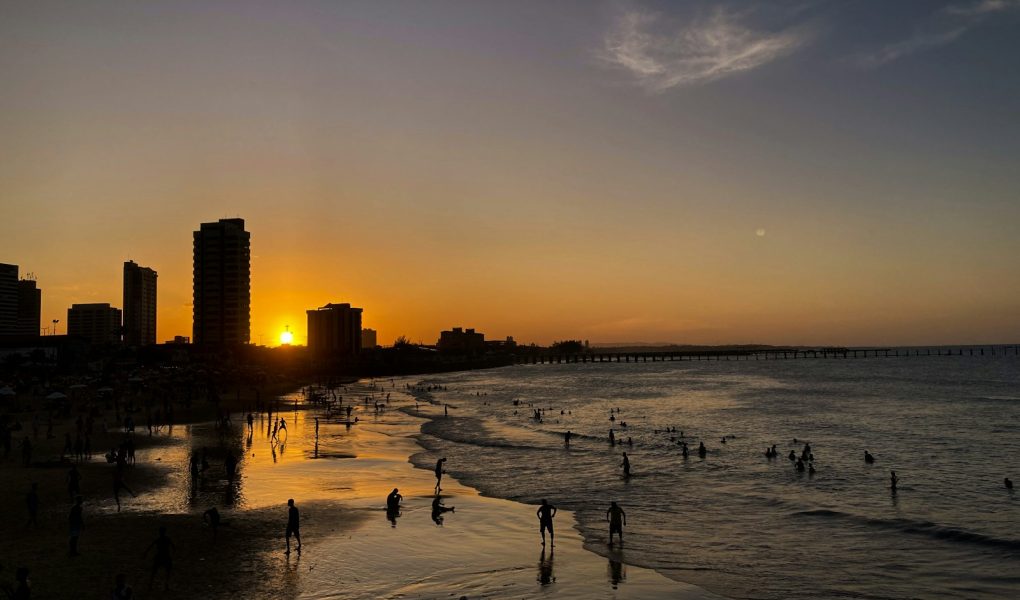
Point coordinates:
[[489, 169]]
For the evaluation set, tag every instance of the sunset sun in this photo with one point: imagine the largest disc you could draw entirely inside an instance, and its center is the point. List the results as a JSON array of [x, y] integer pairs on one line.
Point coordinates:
[[286, 337]]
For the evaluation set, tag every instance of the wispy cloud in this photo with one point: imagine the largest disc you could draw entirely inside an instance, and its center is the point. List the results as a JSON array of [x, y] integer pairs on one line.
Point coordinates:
[[702, 51], [943, 27]]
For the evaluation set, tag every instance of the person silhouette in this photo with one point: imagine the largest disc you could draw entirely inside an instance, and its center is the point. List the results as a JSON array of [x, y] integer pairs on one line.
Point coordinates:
[[566, 438], [163, 559], [293, 525], [439, 473], [75, 523], [393, 501], [893, 480], [545, 513], [617, 519], [626, 465], [702, 451], [1008, 483], [612, 438], [800, 465], [868, 458]]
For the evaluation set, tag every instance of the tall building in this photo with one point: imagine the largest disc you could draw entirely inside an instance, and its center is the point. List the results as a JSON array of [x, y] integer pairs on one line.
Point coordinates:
[[29, 308], [222, 284], [139, 305], [334, 331], [8, 299], [20, 303], [369, 338], [98, 323]]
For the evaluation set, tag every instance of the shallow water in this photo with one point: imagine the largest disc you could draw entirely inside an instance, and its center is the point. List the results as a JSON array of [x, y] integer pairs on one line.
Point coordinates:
[[745, 526]]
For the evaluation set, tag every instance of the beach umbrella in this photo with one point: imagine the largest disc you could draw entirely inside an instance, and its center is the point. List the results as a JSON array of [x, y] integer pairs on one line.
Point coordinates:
[[57, 396], [6, 391]]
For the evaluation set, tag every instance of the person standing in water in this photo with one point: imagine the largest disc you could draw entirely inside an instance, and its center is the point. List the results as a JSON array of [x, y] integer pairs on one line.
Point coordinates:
[[617, 519], [893, 480], [293, 525], [626, 465], [439, 473], [545, 513], [566, 438]]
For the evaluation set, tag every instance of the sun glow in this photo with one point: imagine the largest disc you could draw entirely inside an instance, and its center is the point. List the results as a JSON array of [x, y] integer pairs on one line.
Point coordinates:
[[287, 337]]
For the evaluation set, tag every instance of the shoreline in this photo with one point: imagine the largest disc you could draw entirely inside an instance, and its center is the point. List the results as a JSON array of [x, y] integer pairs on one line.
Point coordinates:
[[486, 548]]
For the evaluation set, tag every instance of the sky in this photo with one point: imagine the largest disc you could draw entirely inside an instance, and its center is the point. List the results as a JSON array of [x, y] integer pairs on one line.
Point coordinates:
[[705, 172]]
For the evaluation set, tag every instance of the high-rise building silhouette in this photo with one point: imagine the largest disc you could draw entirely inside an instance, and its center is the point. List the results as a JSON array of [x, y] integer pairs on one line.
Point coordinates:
[[139, 305], [29, 308], [98, 323], [334, 331], [222, 284], [8, 299], [20, 303], [369, 338]]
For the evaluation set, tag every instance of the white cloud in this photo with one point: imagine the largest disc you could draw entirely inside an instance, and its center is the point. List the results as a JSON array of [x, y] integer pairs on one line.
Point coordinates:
[[944, 27], [703, 51]]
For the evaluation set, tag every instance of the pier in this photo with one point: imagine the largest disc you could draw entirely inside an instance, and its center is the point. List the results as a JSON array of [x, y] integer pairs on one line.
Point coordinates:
[[596, 356]]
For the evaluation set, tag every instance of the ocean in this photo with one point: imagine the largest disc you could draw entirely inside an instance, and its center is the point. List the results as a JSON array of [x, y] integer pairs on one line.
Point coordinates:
[[743, 525]]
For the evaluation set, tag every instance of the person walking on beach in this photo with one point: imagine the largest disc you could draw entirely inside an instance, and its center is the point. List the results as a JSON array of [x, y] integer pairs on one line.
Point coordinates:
[[439, 473], [163, 559], [75, 523], [617, 519], [545, 513], [626, 465], [293, 525]]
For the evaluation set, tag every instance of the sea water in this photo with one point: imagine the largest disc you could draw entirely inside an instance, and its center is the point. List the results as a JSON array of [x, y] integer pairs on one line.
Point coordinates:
[[736, 522]]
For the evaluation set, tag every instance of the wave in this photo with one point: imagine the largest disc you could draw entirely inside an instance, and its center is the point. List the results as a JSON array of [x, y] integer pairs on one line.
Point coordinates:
[[468, 430], [926, 528]]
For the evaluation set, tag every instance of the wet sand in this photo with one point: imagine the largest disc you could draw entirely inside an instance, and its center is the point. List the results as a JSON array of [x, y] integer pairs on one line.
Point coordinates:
[[487, 548]]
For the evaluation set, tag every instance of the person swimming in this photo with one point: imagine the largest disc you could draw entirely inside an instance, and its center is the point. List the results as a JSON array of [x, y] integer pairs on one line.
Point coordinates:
[[868, 458], [792, 455], [800, 465], [811, 469]]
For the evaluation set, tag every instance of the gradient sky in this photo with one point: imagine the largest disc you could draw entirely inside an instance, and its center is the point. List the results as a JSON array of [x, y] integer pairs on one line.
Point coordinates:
[[813, 172]]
